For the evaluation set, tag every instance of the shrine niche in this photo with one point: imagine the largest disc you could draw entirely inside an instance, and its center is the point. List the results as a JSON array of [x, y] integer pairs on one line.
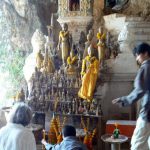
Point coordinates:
[[74, 5], [116, 5], [77, 14]]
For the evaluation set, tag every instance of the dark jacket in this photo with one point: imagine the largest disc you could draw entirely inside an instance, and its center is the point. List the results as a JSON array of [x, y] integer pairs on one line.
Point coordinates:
[[141, 89]]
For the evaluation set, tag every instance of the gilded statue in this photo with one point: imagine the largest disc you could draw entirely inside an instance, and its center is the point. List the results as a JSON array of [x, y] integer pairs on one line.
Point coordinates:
[[89, 74], [64, 43], [72, 61], [88, 42], [75, 6], [101, 45], [48, 64], [20, 96], [39, 60]]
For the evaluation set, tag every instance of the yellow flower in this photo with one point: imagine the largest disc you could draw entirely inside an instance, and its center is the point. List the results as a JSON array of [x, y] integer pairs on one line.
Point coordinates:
[[63, 33], [101, 36], [98, 35], [71, 61]]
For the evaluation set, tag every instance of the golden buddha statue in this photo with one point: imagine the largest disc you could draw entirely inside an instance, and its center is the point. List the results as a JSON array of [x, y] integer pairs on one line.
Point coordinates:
[[89, 74], [101, 45], [64, 43], [72, 61], [39, 60], [49, 66], [20, 96], [88, 42]]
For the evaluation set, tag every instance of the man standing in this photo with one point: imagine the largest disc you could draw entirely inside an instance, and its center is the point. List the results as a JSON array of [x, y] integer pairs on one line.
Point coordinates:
[[141, 136]]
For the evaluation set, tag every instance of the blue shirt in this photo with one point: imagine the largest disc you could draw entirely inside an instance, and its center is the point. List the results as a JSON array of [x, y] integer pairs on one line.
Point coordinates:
[[68, 143], [141, 90]]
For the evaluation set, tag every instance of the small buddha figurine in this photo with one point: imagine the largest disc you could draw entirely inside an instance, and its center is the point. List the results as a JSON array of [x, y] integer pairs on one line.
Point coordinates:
[[72, 60], [74, 7], [116, 132], [49, 67], [39, 60], [80, 109], [20, 96], [101, 45], [48, 64]]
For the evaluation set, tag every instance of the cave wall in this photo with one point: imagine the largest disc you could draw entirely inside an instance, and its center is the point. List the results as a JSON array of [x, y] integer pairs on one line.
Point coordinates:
[[139, 8], [24, 17]]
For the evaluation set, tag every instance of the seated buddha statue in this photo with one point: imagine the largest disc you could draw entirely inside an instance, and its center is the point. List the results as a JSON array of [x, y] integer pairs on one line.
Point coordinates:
[[39, 60], [72, 61], [48, 64], [89, 74], [20, 96]]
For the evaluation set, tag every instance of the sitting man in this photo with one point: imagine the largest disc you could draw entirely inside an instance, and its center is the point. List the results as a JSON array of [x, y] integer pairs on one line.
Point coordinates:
[[69, 142]]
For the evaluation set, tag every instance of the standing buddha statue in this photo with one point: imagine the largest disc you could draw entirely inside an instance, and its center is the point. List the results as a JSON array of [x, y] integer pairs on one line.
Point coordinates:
[[89, 74], [101, 45], [88, 42], [64, 43]]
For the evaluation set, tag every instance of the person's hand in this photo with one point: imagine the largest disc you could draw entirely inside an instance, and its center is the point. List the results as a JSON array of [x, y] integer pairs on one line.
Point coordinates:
[[43, 142], [117, 101]]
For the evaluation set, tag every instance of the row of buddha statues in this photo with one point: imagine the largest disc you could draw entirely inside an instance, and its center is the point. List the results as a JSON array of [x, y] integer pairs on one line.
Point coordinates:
[[57, 93], [68, 78], [65, 42], [76, 106], [92, 59]]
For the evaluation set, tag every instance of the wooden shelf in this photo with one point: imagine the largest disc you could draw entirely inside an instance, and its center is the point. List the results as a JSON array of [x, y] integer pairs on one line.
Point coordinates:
[[80, 115]]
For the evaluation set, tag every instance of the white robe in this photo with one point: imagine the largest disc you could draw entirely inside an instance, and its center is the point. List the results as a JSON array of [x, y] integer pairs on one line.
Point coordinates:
[[2, 119], [16, 137]]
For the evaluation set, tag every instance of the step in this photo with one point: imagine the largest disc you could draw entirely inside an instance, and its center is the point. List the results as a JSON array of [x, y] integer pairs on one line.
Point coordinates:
[[134, 19], [142, 37], [137, 33], [139, 41], [139, 24], [139, 30]]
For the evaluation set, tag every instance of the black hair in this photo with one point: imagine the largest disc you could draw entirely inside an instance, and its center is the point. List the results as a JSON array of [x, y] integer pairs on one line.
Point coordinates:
[[68, 130], [141, 49]]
